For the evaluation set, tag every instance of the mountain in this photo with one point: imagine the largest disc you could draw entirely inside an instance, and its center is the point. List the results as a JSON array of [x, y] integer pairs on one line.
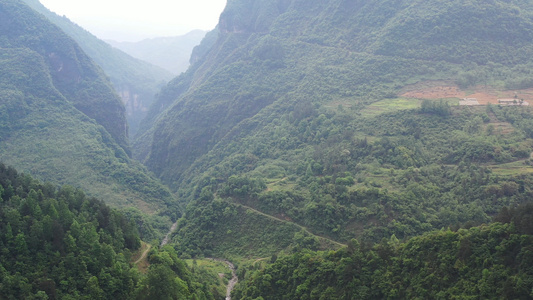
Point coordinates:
[[73, 73], [60, 118], [169, 53], [342, 118], [333, 149], [136, 81]]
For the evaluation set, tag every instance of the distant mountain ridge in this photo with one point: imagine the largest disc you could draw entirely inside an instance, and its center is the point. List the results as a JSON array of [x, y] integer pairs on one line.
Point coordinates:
[[170, 53]]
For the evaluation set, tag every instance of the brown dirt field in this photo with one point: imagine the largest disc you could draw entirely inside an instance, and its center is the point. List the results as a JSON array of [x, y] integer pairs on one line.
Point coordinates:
[[443, 89]]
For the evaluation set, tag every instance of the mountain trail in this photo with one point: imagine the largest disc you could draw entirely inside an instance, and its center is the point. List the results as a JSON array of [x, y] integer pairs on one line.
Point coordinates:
[[295, 224], [143, 256]]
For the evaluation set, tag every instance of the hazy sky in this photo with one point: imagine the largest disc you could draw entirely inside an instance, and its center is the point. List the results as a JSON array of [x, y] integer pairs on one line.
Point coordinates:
[[133, 20]]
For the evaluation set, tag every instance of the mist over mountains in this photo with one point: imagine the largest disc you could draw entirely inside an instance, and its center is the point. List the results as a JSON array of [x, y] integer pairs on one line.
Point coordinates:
[[170, 53]]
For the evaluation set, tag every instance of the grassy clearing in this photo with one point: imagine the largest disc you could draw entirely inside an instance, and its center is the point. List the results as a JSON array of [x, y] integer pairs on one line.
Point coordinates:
[[211, 266], [512, 169], [281, 185], [391, 105], [217, 272]]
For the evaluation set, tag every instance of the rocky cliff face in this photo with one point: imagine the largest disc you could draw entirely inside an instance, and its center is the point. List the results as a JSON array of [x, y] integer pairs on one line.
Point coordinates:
[[136, 103]]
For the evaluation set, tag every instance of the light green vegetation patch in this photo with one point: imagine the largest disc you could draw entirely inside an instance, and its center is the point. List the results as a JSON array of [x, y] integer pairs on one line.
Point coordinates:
[[512, 169], [391, 105], [211, 265]]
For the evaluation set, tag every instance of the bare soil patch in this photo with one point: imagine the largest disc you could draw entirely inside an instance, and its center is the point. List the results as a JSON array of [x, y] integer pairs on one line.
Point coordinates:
[[444, 89]]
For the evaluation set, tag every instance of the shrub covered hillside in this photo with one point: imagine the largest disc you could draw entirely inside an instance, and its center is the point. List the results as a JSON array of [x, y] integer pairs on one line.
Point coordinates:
[[61, 120], [295, 114], [489, 262], [61, 244]]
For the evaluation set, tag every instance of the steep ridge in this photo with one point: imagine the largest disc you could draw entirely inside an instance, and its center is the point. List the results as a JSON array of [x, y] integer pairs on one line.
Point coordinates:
[[73, 73], [136, 81], [60, 118], [282, 115], [266, 51]]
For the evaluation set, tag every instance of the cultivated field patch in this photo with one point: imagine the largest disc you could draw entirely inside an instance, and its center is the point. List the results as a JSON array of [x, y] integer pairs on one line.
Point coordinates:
[[390, 105], [446, 90]]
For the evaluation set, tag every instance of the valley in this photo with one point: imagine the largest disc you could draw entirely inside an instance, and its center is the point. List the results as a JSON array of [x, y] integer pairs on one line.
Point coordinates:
[[317, 149]]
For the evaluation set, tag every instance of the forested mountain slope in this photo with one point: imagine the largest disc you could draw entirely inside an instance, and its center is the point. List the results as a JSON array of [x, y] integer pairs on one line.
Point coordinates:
[[489, 262], [61, 244], [295, 112], [136, 81], [171, 53], [268, 51], [60, 119], [72, 71]]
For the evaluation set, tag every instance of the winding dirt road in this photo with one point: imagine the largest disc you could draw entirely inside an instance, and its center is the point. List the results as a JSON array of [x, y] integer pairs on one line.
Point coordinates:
[[148, 247]]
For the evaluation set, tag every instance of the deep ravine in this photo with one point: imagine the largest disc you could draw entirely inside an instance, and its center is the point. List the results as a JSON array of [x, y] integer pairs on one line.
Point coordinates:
[[234, 278], [233, 281], [167, 237]]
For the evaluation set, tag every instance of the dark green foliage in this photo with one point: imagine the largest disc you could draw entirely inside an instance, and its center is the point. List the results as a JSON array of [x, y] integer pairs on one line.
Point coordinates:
[[344, 187], [256, 68], [170, 278], [59, 242], [222, 229], [439, 108], [278, 115], [491, 262]]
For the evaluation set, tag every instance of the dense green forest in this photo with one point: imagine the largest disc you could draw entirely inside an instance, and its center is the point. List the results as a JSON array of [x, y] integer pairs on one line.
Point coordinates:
[[73, 73], [488, 262], [293, 116], [289, 133], [58, 243]]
